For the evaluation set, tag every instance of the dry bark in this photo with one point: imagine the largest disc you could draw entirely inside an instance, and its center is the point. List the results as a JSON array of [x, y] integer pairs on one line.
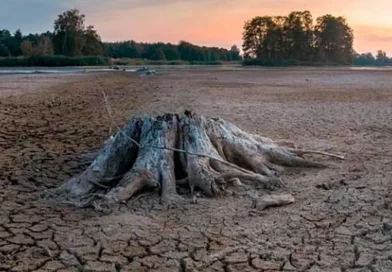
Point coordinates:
[[207, 154]]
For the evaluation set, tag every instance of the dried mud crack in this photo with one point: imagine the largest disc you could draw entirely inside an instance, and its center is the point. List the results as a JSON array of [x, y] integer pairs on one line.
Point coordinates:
[[341, 220]]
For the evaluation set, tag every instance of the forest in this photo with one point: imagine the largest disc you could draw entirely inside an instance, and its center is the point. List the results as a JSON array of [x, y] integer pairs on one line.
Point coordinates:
[[267, 40], [295, 39], [74, 40]]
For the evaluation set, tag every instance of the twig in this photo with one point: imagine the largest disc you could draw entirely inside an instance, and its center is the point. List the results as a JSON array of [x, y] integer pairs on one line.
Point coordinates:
[[108, 108], [99, 184], [300, 152]]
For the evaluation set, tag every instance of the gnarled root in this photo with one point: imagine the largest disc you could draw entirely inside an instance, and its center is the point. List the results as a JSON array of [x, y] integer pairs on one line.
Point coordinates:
[[168, 151]]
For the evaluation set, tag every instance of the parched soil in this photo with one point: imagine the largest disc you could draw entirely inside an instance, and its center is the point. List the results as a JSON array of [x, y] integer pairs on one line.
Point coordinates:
[[342, 220]]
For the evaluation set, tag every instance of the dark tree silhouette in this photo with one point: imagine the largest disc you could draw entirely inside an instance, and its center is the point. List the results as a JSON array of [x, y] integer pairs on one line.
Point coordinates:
[[4, 52], [334, 40], [68, 35], [166, 51], [298, 35], [294, 38], [92, 44]]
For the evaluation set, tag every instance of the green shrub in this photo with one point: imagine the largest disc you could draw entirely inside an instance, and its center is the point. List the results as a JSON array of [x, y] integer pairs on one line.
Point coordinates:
[[53, 61]]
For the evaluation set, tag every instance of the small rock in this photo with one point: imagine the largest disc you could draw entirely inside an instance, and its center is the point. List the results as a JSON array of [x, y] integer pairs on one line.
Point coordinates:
[[68, 259]]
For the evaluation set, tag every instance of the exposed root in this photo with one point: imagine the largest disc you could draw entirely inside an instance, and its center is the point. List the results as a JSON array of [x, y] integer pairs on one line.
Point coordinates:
[[159, 154], [195, 140]]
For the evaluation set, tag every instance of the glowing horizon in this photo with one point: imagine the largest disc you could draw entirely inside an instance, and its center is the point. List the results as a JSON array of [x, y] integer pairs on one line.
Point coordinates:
[[204, 22]]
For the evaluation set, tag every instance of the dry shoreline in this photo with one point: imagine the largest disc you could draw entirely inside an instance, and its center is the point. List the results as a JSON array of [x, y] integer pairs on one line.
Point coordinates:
[[342, 219]]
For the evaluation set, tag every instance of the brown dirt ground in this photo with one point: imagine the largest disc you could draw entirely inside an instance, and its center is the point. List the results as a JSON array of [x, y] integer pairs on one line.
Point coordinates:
[[342, 220]]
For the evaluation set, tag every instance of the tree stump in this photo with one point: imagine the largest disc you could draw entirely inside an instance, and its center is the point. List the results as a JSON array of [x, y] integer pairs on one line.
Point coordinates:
[[160, 153]]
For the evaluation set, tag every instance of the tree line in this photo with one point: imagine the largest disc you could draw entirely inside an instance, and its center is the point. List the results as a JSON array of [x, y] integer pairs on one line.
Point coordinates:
[[295, 39], [71, 37], [167, 51], [367, 59], [267, 40]]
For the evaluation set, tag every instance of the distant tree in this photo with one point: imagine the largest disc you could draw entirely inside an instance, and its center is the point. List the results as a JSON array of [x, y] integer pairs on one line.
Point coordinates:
[[4, 52], [298, 35], [294, 38], [254, 36], [27, 48], [122, 50], [186, 51], [68, 35], [5, 41], [263, 38], [4, 35], [158, 54], [44, 47], [93, 45], [235, 53], [334, 39], [18, 36], [381, 57], [171, 52], [364, 59], [15, 42], [235, 49]]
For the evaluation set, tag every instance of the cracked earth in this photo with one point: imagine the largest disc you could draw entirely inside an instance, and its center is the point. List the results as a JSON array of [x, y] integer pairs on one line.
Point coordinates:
[[341, 221]]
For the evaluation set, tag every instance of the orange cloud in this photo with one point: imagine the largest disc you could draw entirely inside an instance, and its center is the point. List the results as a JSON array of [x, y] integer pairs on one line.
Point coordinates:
[[220, 22], [373, 38]]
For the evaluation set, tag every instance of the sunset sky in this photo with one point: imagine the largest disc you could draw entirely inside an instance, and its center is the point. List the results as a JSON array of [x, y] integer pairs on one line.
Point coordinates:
[[205, 22]]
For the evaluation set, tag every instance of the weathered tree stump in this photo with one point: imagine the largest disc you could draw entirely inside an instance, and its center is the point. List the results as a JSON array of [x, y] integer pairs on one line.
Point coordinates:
[[161, 153]]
